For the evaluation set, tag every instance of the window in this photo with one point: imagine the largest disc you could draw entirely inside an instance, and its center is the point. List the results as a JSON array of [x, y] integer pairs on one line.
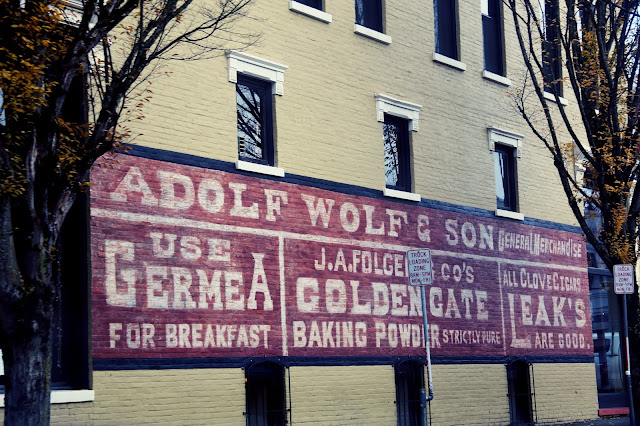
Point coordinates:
[[492, 36], [551, 54], [316, 4], [505, 176], [266, 394], [256, 81], [369, 14], [506, 148], [398, 119], [397, 166], [446, 28], [255, 120], [409, 393], [521, 409]]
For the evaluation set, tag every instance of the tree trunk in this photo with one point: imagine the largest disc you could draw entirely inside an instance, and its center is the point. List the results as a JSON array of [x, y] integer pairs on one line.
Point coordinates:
[[27, 360]]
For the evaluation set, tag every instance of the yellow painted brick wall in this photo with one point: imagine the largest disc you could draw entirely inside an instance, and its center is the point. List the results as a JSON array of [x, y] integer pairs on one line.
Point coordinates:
[[470, 394], [565, 392], [326, 121], [198, 396], [343, 395]]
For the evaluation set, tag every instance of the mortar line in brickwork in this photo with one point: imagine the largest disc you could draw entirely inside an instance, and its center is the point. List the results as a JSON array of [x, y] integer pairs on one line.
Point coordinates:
[[189, 223], [283, 304]]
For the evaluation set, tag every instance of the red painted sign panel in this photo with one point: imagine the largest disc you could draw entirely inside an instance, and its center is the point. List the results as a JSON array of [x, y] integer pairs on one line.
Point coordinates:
[[193, 262]]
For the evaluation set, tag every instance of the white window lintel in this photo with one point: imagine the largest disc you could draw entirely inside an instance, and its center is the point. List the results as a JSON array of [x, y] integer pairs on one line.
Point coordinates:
[[311, 12], [453, 63], [503, 137], [243, 63], [509, 214], [403, 109], [551, 97], [66, 396], [488, 75]]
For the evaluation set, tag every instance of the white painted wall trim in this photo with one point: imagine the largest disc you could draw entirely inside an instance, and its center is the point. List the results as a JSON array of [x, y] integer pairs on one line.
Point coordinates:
[[550, 97], [399, 108], [243, 63], [453, 63], [248, 166], [393, 193], [66, 396], [488, 75], [372, 34], [509, 214], [505, 137], [310, 11]]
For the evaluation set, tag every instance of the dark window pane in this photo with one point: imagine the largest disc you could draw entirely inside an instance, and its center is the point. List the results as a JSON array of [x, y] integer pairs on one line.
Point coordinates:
[[396, 153], [369, 14], [266, 396], [504, 166], [316, 4], [253, 102], [492, 39], [446, 28], [551, 54], [409, 377]]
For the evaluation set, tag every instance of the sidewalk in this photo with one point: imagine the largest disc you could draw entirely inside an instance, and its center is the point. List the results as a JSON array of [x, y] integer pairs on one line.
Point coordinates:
[[610, 421]]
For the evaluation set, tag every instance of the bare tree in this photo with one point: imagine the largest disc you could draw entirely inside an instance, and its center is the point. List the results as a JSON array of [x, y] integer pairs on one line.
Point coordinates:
[[51, 134], [597, 41]]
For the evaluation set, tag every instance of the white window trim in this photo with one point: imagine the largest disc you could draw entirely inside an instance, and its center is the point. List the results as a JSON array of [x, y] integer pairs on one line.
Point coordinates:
[[509, 214], [496, 78], [503, 137], [310, 11], [550, 97], [372, 34], [453, 63], [403, 195], [66, 396], [248, 166], [403, 109], [243, 63]]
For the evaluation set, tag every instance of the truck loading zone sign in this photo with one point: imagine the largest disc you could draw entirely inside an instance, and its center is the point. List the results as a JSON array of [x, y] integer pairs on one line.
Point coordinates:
[[623, 279], [419, 267]]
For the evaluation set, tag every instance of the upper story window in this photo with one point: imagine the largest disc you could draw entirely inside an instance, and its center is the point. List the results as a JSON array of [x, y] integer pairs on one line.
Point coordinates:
[[446, 28], [398, 118], [397, 166], [257, 80], [551, 46], [369, 14], [311, 8], [506, 148], [492, 34], [255, 120], [505, 176], [316, 4]]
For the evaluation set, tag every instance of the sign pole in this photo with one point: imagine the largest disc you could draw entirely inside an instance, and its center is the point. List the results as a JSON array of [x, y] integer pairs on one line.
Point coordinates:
[[627, 373], [420, 273], [623, 284]]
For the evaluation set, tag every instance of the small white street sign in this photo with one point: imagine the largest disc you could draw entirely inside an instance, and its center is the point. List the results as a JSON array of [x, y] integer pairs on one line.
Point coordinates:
[[623, 279], [419, 267]]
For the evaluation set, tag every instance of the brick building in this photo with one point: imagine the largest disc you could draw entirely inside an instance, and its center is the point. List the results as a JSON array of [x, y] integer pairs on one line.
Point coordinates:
[[248, 255]]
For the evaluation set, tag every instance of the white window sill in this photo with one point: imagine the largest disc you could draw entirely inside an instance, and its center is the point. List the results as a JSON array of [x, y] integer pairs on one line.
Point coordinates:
[[310, 11], [509, 214], [248, 166], [66, 396], [453, 63], [372, 34], [496, 78], [549, 96], [403, 195]]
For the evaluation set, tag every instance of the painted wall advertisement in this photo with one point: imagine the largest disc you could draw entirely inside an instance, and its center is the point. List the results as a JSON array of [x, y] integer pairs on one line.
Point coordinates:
[[193, 262]]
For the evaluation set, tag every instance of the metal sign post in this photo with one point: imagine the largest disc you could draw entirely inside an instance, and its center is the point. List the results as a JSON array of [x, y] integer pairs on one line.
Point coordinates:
[[623, 284], [419, 271]]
